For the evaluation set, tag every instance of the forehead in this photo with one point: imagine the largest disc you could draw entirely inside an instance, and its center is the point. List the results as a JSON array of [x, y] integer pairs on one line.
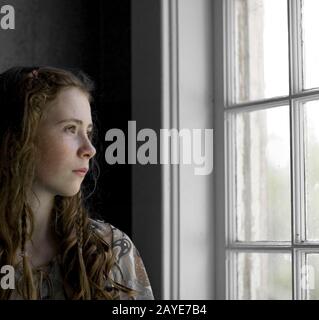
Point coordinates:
[[69, 103]]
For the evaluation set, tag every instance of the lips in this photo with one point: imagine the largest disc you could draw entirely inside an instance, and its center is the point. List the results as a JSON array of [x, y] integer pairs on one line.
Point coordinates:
[[83, 170]]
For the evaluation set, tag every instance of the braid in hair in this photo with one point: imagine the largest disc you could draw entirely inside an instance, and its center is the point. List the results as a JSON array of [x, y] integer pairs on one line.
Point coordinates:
[[28, 289], [85, 292]]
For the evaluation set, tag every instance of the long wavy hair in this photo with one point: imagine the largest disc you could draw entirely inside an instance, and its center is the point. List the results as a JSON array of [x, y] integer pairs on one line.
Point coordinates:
[[85, 257]]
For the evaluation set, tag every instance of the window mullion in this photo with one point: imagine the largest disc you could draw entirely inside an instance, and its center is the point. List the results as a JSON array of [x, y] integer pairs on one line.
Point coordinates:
[[230, 56], [230, 206], [221, 202], [229, 98], [295, 46], [298, 267], [297, 147]]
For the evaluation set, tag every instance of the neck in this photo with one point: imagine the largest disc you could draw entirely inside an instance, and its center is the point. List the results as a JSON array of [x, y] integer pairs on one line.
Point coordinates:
[[41, 205]]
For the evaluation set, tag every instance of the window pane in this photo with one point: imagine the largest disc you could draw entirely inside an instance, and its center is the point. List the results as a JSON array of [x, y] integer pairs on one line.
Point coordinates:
[[264, 276], [310, 24], [310, 277], [311, 129], [260, 47], [262, 175]]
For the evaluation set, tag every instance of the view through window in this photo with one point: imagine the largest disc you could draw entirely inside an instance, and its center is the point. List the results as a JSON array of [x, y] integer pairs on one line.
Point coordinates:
[[272, 125]]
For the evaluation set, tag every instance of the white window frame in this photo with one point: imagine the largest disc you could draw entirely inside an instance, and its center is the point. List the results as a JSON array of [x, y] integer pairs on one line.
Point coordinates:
[[172, 220], [224, 109]]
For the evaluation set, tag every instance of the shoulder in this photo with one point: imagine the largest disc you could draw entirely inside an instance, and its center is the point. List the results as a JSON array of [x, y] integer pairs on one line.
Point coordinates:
[[102, 229], [129, 268], [122, 245], [116, 238]]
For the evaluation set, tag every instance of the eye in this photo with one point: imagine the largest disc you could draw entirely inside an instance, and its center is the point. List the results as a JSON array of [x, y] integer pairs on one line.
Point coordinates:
[[70, 129]]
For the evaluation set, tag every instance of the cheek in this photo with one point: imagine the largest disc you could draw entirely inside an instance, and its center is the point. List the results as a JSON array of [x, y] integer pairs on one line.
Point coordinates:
[[53, 155]]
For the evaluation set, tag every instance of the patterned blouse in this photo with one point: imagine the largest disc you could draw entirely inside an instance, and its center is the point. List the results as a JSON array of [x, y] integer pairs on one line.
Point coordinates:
[[128, 270]]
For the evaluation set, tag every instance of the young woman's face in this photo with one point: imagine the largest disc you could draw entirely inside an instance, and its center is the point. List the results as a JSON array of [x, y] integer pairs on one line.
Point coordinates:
[[64, 144]]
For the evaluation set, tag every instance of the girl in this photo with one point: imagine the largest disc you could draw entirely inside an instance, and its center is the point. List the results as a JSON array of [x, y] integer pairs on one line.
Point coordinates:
[[46, 234]]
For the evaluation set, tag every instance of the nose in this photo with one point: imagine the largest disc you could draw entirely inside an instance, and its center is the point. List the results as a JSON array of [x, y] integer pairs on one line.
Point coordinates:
[[87, 149]]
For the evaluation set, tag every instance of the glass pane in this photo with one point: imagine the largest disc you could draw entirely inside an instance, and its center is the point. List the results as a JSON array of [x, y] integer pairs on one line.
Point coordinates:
[[310, 25], [260, 44], [311, 132], [310, 277], [263, 276], [262, 175]]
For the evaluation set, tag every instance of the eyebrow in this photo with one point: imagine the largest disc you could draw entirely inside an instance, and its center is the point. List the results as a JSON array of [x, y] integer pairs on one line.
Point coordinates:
[[75, 120]]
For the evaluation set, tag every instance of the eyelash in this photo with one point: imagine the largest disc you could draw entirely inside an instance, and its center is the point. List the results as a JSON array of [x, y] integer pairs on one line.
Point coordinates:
[[89, 133]]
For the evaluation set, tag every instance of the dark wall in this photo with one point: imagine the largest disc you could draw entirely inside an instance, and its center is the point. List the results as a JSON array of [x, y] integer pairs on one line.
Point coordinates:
[[95, 37], [147, 198]]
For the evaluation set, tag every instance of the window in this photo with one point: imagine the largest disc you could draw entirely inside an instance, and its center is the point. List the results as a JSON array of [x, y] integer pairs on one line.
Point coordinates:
[[271, 110]]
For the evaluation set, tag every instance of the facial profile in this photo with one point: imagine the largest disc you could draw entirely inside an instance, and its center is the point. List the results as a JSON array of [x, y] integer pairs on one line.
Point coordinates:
[[63, 144]]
